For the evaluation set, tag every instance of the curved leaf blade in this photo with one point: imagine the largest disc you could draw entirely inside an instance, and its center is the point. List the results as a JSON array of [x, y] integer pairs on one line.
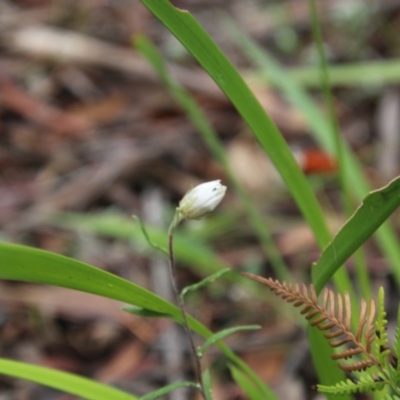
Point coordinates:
[[373, 212], [190, 33], [223, 334], [27, 264], [64, 381], [168, 389]]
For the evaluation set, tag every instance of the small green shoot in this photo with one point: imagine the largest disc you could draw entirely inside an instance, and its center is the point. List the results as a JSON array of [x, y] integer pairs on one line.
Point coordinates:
[[204, 282], [222, 334], [168, 389]]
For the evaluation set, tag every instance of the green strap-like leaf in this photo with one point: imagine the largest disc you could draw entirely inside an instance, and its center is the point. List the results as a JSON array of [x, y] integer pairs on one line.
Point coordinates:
[[190, 33], [374, 210], [27, 264], [64, 381], [320, 129]]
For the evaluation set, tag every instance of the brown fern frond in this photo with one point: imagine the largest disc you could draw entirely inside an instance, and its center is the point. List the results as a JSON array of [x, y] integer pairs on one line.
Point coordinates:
[[334, 316], [357, 366], [347, 353]]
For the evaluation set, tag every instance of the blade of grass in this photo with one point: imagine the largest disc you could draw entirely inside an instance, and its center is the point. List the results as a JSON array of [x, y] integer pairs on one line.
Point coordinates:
[[223, 334], [112, 224], [168, 389], [188, 31], [188, 251], [321, 131], [204, 282], [374, 210], [64, 381], [210, 137], [27, 264], [361, 267], [366, 74], [245, 384], [204, 49]]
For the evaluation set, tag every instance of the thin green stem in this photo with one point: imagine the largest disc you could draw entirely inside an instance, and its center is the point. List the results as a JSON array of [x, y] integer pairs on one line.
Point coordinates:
[[181, 305]]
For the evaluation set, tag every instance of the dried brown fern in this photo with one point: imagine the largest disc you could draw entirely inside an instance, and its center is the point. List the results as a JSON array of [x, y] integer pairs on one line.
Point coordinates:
[[334, 315]]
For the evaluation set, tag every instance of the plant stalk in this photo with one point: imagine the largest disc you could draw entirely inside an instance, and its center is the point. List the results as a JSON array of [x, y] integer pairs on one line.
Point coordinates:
[[181, 305]]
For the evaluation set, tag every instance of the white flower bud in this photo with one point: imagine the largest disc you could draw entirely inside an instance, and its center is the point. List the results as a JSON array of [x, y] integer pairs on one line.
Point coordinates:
[[201, 200]]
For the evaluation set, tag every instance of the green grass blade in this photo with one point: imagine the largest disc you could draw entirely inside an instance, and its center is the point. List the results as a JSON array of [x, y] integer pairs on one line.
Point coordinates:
[[33, 265], [223, 334], [186, 250], [366, 74], [207, 382], [210, 137], [321, 131], [204, 282], [248, 387], [362, 276], [168, 389], [374, 210], [64, 381], [198, 256], [203, 48], [28, 264]]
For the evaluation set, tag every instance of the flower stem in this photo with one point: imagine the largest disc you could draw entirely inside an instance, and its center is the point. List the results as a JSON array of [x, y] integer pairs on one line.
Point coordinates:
[[196, 360]]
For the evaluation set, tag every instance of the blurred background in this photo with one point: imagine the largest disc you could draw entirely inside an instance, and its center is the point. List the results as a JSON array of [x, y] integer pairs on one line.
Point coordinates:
[[89, 136]]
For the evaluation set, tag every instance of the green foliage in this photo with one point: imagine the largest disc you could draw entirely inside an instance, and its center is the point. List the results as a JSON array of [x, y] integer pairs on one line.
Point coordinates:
[[204, 282], [188, 31], [223, 334], [395, 366], [246, 385], [168, 389], [207, 383], [381, 342], [320, 129], [64, 381], [364, 384], [27, 264], [366, 350], [194, 253], [147, 237], [372, 213]]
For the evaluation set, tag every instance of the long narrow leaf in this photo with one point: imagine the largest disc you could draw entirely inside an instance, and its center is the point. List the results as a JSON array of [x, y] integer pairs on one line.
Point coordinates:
[[63, 381], [374, 210], [27, 264], [364, 74], [321, 131], [203, 48]]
